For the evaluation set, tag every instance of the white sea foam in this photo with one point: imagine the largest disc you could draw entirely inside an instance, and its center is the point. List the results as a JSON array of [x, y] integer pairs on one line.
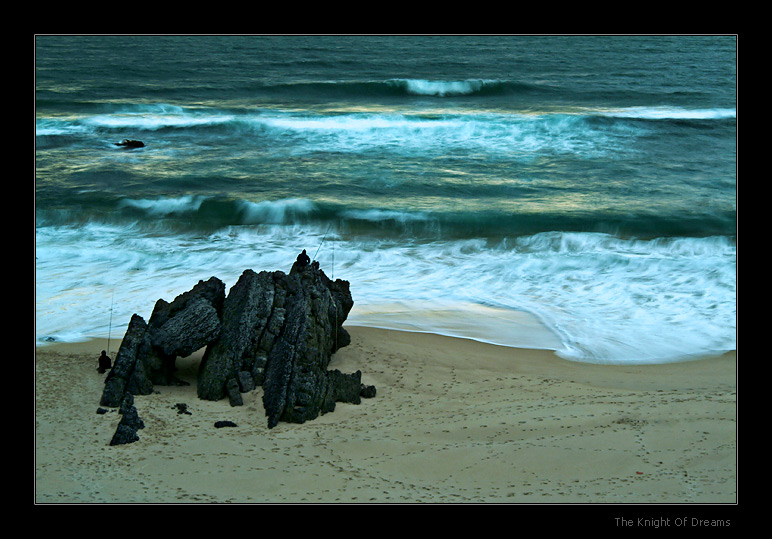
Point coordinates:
[[157, 120], [443, 88], [275, 212], [375, 214], [673, 113], [601, 298], [165, 205], [57, 127], [493, 134]]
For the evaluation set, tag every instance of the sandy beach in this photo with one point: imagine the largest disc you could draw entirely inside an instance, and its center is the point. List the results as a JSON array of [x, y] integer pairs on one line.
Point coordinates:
[[454, 421]]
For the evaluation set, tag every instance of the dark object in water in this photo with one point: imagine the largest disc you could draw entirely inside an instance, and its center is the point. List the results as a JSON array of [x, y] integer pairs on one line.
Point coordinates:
[[130, 143]]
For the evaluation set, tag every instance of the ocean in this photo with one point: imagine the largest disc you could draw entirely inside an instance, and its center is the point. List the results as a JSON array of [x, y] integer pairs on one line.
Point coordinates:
[[572, 193]]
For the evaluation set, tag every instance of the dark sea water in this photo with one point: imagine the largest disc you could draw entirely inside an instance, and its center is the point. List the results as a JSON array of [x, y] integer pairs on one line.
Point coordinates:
[[575, 193]]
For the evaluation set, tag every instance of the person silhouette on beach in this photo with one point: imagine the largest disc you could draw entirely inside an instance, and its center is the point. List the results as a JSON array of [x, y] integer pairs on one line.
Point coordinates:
[[104, 363], [303, 259]]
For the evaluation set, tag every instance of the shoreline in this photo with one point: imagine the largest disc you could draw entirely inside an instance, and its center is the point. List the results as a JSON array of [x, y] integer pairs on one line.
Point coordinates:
[[454, 421]]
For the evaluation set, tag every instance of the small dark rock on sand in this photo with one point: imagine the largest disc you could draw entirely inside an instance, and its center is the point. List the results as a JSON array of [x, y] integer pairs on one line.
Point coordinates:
[[182, 408]]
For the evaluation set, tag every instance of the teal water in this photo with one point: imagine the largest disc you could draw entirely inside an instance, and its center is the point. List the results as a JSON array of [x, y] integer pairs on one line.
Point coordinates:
[[588, 182]]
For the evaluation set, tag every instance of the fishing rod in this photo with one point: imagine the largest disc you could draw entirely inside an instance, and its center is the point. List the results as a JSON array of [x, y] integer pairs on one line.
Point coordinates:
[[322, 242], [333, 250], [110, 326], [333, 278]]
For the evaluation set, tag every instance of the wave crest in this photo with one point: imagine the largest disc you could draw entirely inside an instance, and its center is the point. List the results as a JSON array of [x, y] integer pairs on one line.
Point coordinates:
[[275, 212], [672, 113], [224, 211], [164, 206], [443, 88]]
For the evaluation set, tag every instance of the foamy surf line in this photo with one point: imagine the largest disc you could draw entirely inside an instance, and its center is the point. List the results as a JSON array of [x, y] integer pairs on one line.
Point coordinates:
[[672, 113], [519, 330], [596, 297], [503, 327], [351, 131]]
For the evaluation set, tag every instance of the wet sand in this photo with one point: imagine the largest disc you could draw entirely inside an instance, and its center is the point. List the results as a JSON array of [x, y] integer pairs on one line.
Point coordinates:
[[454, 421]]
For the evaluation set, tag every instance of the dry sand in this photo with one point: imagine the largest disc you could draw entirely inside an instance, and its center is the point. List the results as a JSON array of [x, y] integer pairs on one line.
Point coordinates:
[[454, 421]]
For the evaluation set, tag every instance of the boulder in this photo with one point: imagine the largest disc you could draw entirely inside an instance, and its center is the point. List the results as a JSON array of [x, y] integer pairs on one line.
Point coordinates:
[[250, 321], [128, 374], [273, 329], [130, 143], [367, 392], [234, 394], [130, 423], [282, 329], [297, 386], [190, 322], [182, 408], [149, 350], [124, 435]]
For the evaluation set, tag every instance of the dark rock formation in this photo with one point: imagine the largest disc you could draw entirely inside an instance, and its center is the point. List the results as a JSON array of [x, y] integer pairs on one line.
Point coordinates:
[[367, 392], [124, 435], [190, 322], [234, 393], [297, 386], [149, 350], [279, 331], [182, 408], [246, 381], [249, 327], [130, 143], [274, 330], [128, 375], [130, 423]]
